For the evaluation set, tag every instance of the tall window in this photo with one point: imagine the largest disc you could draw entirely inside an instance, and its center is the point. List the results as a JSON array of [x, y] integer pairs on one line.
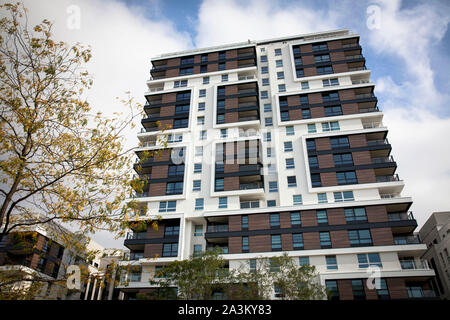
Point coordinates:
[[292, 181], [322, 197], [322, 217], [245, 246], [383, 291], [274, 220], [325, 240], [244, 222], [198, 230], [197, 168], [273, 186], [220, 184], [315, 180], [288, 146], [276, 242], [332, 287], [297, 241], [297, 199], [290, 131], [295, 219], [303, 261], [358, 290], [223, 202], [331, 263], [199, 204], [171, 231], [360, 237]]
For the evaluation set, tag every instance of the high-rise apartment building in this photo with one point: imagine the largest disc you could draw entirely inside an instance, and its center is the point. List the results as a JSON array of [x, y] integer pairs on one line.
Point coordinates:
[[275, 146], [435, 233]]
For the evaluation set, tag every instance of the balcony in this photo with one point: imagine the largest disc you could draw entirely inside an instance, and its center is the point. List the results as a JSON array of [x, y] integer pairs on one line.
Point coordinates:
[[404, 240], [356, 56], [136, 235], [249, 204], [411, 264], [377, 142], [217, 228], [247, 91], [387, 178], [224, 248], [400, 216], [133, 256], [357, 69], [249, 186], [364, 95], [252, 118], [383, 160]]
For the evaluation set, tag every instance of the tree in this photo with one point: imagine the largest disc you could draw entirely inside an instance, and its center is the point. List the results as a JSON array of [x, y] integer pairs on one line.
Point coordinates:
[[205, 273], [58, 161]]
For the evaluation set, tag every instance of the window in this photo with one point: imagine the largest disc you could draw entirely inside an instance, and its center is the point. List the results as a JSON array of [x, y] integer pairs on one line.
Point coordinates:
[[244, 222], [201, 120], [290, 163], [324, 70], [264, 70], [358, 290], [297, 241], [264, 95], [198, 230], [312, 128], [252, 265], [279, 63], [199, 204], [199, 151], [296, 50], [135, 275], [197, 249], [223, 133], [186, 71], [245, 246], [303, 261], [297, 199], [285, 116], [204, 58], [203, 68], [382, 290], [343, 159], [278, 52], [313, 162], [300, 73], [222, 55], [273, 186], [181, 83], [283, 101], [295, 219], [325, 240], [306, 113], [265, 81], [315, 180], [263, 58], [292, 181], [347, 177], [221, 66], [201, 106], [332, 96], [310, 145], [197, 168], [170, 231], [322, 58], [333, 289], [220, 185], [220, 167], [322, 217], [205, 80], [360, 237], [275, 240], [340, 142], [333, 111], [267, 136], [203, 135], [221, 91], [224, 78], [343, 196], [174, 188], [274, 220], [322, 197], [269, 153], [281, 88], [288, 146], [305, 85], [180, 123], [223, 203], [414, 291], [202, 93], [182, 109], [290, 131], [267, 107], [167, 206], [220, 118], [320, 47], [170, 250], [298, 61], [330, 82], [280, 75], [187, 60], [330, 126], [331, 263], [183, 96], [273, 266], [369, 260], [271, 203]]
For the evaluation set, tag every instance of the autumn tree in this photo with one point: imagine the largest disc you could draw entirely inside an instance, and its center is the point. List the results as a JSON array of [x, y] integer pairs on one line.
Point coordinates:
[[59, 161]]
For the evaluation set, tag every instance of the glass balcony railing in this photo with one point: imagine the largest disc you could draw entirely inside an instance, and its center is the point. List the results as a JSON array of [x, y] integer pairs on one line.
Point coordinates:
[[387, 178], [364, 95], [248, 186], [217, 228], [404, 240], [132, 256], [383, 159], [410, 264], [400, 216], [377, 142], [249, 204], [136, 235]]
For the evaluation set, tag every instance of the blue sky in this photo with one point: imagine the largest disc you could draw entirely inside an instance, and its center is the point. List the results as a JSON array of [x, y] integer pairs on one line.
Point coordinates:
[[409, 58]]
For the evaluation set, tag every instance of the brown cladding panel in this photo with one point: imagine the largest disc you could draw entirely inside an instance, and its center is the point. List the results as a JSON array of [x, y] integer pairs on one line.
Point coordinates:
[[345, 289], [212, 67], [164, 155], [172, 73], [295, 114], [339, 239], [258, 221], [235, 244], [361, 157], [336, 216], [173, 62], [357, 140], [336, 44], [306, 60], [325, 161], [376, 214], [306, 48], [231, 183], [153, 249], [160, 172], [310, 72], [323, 144], [259, 243], [309, 218], [231, 65], [315, 98], [167, 111], [311, 240], [317, 112], [155, 234], [231, 117], [234, 223], [230, 90], [286, 241], [328, 179], [166, 124], [382, 236], [349, 108], [213, 56], [231, 167], [348, 94], [157, 189], [231, 103], [285, 220], [293, 100], [366, 176], [340, 67], [337, 56], [397, 288]]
